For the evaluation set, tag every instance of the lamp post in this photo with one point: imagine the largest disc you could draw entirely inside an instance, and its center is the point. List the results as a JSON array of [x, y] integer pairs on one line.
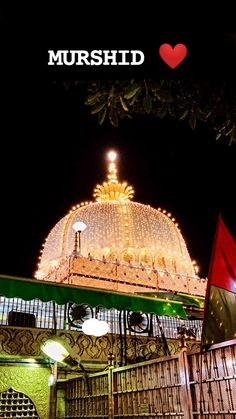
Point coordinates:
[[78, 227]]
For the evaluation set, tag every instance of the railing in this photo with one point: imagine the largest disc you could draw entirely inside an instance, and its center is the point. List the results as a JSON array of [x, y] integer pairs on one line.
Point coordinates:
[[122, 276], [150, 389], [88, 396], [213, 382], [190, 386], [43, 313], [36, 313]]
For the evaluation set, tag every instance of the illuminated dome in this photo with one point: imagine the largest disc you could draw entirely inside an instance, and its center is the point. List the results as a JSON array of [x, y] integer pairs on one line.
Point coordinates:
[[118, 230]]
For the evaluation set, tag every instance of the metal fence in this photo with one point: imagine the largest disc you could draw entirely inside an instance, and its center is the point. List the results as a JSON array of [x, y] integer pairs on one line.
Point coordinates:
[[190, 386], [34, 313]]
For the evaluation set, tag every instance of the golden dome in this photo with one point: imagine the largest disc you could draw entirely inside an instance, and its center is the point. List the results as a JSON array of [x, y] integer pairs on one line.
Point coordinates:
[[119, 230]]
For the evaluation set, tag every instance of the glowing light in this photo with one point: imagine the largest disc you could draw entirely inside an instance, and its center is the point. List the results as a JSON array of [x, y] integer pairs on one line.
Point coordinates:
[[95, 327], [51, 380], [79, 226], [118, 223], [112, 155], [54, 349], [113, 190]]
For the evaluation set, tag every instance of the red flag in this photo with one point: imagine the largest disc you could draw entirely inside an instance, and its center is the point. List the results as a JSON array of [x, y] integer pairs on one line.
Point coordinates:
[[219, 323]]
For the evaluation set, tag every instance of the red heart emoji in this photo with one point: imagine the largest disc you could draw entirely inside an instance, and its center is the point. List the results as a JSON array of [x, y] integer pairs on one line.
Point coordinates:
[[173, 56]]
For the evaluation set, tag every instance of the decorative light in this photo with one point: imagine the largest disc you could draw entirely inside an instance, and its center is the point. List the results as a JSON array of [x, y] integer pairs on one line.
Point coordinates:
[[118, 223], [79, 226], [113, 190], [112, 155], [51, 380], [54, 348], [95, 327]]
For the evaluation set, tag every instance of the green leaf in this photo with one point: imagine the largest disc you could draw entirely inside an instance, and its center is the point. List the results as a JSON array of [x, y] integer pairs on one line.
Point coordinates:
[[133, 90], [147, 103], [111, 93], [113, 117], [129, 116], [98, 108], [123, 104], [102, 115], [133, 100], [184, 115], [232, 138], [218, 135], [192, 120], [92, 99]]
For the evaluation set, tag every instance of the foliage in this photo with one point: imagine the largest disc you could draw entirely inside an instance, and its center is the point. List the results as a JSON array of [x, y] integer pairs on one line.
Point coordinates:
[[213, 102]]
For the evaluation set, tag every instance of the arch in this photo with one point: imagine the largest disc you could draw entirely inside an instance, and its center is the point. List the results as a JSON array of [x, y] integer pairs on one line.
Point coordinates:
[[160, 262], [145, 258], [127, 256]]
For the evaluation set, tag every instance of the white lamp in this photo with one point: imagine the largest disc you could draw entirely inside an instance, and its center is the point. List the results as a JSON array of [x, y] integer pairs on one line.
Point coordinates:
[[112, 155], [79, 227], [95, 327], [55, 349], [103, 328]]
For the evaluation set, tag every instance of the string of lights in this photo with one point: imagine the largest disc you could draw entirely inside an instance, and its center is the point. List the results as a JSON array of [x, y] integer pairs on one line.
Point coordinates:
[[120, 232]]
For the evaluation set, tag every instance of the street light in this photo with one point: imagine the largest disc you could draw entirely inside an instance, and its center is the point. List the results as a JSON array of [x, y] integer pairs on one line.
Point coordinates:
[[78, 227]]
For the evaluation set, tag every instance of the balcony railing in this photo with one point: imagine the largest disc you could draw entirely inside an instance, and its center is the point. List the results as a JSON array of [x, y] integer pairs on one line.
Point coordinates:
[[50, 315]]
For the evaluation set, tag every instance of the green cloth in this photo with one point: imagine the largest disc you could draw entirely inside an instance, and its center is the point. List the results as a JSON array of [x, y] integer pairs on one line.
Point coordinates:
[[186, 299], [29, 289]]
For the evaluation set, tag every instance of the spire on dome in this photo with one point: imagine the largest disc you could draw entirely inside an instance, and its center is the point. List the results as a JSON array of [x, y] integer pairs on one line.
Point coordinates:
[[113, 189]]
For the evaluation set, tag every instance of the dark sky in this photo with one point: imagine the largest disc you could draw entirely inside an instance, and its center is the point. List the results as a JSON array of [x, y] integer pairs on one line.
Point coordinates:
[[52, 156]]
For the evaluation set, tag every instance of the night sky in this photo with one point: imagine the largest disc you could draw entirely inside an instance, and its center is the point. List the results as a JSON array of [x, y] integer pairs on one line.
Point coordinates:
[[58, 156], [53, 154]]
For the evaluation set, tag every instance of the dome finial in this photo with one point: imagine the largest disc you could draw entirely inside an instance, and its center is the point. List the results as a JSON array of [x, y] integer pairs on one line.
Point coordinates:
[[113, 190], [112, 156]]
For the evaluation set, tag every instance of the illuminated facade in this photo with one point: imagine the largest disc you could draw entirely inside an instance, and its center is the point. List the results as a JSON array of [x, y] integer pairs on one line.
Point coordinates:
[[105, 250], [142, 241]]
